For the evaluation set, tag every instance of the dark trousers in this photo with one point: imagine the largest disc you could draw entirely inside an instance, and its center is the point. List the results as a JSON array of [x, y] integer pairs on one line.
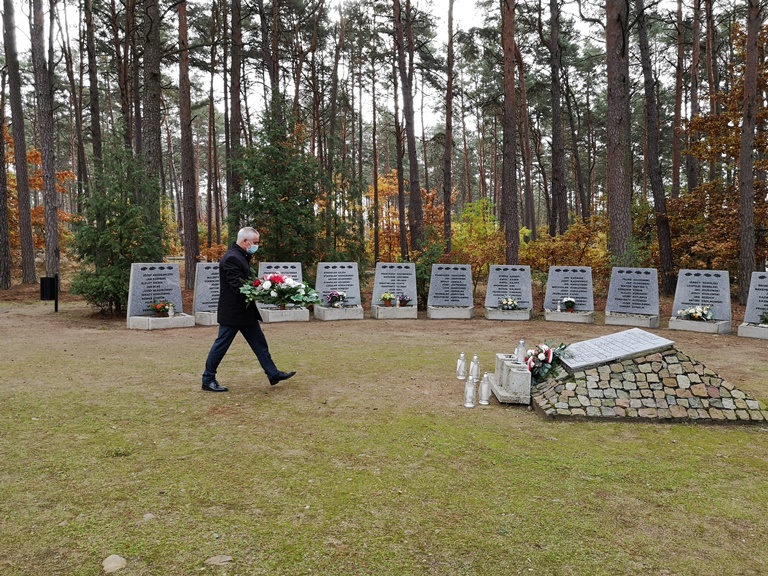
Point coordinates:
[[256, 340]]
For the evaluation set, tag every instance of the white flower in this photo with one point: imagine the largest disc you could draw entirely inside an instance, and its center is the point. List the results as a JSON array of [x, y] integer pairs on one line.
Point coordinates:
[[544, 347], [266, 285], [541, 356], [529, 353], [273, 294], [301, 291], [290, 282]]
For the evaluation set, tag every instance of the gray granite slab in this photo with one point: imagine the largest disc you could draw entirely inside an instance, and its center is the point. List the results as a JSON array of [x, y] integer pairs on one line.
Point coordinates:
[[153, 282], [341, 276], [395, 277], [292, 269], [606, 349], [704, 287], [509, 282], [757, 300], [633, 291], [570, 281], [451, 285], [207, 287]]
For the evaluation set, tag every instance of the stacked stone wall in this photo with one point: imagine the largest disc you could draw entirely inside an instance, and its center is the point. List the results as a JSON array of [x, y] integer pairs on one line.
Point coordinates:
[[667, 385]]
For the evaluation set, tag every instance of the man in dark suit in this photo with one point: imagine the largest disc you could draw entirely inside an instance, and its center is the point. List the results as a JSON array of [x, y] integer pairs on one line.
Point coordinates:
[[235, 315]]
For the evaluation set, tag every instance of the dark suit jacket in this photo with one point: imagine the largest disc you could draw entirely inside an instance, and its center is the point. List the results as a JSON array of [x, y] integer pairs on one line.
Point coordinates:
[[234, 269]]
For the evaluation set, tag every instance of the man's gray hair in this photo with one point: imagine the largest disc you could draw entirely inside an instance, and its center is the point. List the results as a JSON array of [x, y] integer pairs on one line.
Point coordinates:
[[246, 232]]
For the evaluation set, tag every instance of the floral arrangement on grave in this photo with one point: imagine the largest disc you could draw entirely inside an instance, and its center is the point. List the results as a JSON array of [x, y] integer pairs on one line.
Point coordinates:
[[764, 317], [336, 299], [698, 313], [161, 308], [544, 361], [387, 298], [569, 303], [280, 290], [508, 304], [403, 299]]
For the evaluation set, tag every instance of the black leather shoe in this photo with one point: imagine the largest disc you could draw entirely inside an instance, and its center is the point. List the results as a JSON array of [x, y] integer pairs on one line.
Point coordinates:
[[279, 377], [214, 387]]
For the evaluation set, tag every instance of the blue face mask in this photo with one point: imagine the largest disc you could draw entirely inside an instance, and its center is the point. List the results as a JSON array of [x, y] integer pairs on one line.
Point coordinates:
[[252, 249]]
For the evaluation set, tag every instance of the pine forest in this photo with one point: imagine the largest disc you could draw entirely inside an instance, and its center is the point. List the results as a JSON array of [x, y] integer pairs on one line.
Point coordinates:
[[577, 132]]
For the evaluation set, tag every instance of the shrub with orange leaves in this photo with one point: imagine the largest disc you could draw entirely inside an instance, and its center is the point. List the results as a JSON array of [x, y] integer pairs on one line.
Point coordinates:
[[581, 245]]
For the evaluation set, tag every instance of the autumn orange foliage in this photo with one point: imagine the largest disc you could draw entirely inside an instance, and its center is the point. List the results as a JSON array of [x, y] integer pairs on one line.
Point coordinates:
[[705, 221]]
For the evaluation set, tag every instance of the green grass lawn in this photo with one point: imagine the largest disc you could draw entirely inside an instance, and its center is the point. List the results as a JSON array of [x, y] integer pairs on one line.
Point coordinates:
[[364, 463]]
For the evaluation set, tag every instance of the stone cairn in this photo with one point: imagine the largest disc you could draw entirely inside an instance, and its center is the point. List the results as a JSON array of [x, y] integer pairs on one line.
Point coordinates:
[[667, 385]]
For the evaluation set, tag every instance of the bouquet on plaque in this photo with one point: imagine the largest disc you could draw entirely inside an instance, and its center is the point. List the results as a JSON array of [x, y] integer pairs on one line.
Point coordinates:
[[545, 360], [698, 313], [280, 290], [336, 298]]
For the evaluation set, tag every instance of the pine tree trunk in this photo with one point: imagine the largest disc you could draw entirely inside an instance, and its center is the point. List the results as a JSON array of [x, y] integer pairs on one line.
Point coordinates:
[[746, 160], [559, 216], [403, 33], [188, 171], [677, 125], [653, 157], [44, 98], [618, 131], [691, 163], [5, 229], [509, 218], [448, 143], [28, 272]]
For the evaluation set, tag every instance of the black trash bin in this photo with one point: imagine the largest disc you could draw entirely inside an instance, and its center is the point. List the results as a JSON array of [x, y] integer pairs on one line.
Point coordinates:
[[49, 288]]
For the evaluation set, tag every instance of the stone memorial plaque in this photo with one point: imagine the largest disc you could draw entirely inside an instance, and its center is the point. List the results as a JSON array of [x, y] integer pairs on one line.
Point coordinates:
[[396, 278], [207, 287], [509, 282], [152, 283], [757, 300], [570, 281], [292, 269], [451, 285], [702, 288], [341, 276], [613, 347], [633, 291]]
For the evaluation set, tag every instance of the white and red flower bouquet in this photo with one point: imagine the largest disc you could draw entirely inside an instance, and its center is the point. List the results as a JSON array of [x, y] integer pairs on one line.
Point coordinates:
[[544, 360], [280, 290]]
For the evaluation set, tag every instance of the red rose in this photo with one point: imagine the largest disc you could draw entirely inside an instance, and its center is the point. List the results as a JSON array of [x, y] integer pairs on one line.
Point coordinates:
[[257, 282]]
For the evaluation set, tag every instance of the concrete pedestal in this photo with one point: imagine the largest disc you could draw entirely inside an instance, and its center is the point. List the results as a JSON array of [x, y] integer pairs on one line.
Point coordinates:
[[710, 327], [160, 323], [344, 313], [394, 312], [638, 320], [754, 331], [270, 315], [206, 319], [577, 317], [450, 312], [511, 383], [499, 314]]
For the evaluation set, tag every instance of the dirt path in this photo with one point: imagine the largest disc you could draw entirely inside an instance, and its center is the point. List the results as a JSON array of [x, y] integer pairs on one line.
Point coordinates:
[[28, 327]]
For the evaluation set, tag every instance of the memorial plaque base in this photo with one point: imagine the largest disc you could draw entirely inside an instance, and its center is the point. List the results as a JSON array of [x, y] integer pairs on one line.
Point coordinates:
[[513, 384], [450, 312], [345, 313], [713, 327], [158, 323], [394, 312], [578, 317], [499, 314], [271, 315], [638, 320], [206, 319], [754, 331]]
